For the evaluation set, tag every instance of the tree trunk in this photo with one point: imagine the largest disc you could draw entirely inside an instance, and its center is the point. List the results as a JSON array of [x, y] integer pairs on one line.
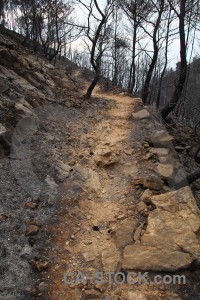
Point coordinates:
[[183, 66], [166, 62], [91, 87], [114, 80], [132, 71], [145, 89]]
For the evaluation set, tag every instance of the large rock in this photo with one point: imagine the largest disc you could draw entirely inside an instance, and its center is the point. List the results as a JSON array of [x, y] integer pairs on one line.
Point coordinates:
[[122, 232], [111, 259], [149, 182], [139, 257], [171, 241], [162, 154], [165, 170], [161, 137], [160, 151], [142, 114]]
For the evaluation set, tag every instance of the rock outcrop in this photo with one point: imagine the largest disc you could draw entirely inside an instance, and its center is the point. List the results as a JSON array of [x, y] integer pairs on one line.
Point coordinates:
[[26, 82], [171, 240]]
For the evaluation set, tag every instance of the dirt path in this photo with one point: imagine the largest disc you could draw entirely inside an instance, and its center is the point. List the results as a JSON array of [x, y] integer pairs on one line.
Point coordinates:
[[99, 214], [104, 205]]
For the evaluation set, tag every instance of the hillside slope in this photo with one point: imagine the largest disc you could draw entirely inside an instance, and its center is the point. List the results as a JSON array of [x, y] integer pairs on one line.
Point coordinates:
[[26, 82], [87, 185]]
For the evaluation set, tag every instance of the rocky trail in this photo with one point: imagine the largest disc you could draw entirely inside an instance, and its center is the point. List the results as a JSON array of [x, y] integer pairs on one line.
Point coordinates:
[[118, 215], [88, 186]]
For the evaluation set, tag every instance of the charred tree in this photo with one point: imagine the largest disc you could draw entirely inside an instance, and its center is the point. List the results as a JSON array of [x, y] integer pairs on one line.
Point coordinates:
[[183, 65], [145, 89]]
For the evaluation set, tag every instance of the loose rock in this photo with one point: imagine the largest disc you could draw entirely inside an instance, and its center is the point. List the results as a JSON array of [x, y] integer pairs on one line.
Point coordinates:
[[151, 182], [110, 259], [142, 114], [43, 287], [166, 171], [32, 230]]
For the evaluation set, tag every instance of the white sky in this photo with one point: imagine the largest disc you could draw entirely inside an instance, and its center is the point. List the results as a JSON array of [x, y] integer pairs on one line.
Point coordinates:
[[173, 50]]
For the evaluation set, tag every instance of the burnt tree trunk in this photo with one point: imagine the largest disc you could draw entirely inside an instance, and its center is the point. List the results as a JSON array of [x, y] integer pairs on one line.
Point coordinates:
[[165, 65], [96, 61], [91, 87], [183, 65], [145, 89], [132, 71]]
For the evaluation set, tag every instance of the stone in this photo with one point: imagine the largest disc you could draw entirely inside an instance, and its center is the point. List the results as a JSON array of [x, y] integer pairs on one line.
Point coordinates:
[[52, 190], [142, 208], [138, 101], [153, 183], [76, 187], [39, 77], [179, 148], [160, 151], [161, 137], [32, 230], [146, 195], [142, 114], [136, 295], [145, 145], [23, 111], [87, 178], [122, 232], [51, 199], [104, 156], [151, 259], [165, 170], [32, 80], [32, 205], [148, 156], [110, 259], [63, 169], [40, 265], [171, 241], [102, 287], [128, 152], [89, 256], [94, 181], [91, 294], [6, 58], [4, 85], [50, 181], [43, 287], [162, 154], [2, 129], [138, 232], [150, 182]]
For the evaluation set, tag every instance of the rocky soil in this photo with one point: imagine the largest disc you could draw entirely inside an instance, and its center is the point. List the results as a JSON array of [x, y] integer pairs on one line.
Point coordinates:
[[88, 186]]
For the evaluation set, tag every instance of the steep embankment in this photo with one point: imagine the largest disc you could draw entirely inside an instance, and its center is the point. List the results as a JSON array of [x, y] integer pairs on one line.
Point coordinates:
[[87, 186], [28, 86]]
